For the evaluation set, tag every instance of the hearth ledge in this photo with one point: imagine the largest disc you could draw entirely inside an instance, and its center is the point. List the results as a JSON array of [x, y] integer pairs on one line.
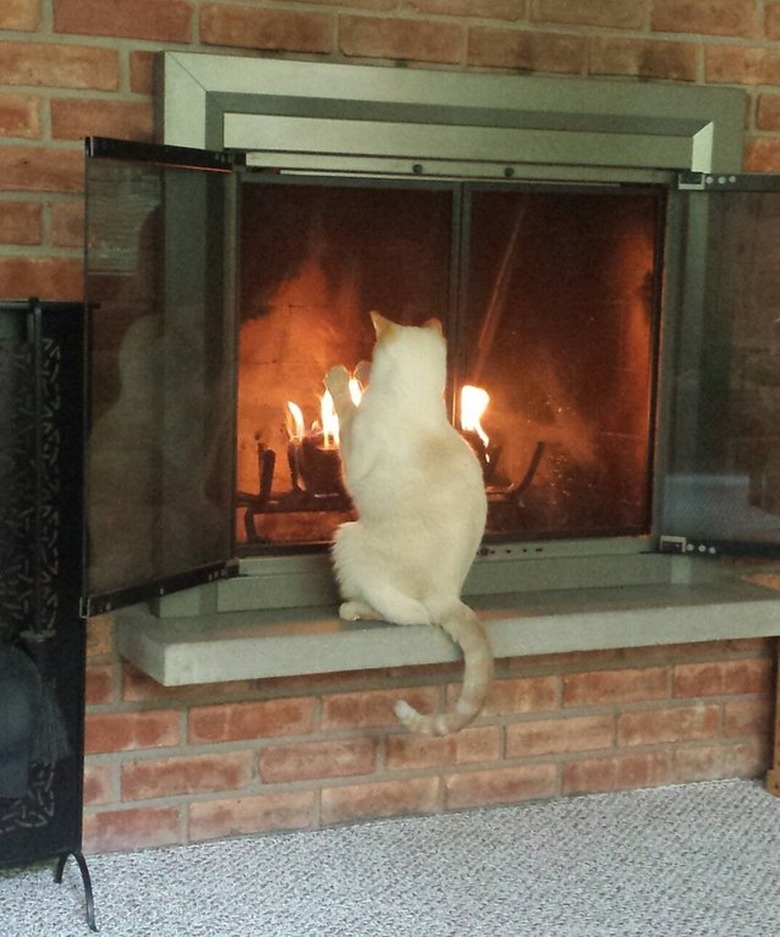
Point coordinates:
[[247, 645]]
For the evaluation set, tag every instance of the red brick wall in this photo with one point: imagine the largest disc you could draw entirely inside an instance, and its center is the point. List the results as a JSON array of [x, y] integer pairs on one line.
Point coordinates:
[[74, 67], [176, 765], [170, 766]]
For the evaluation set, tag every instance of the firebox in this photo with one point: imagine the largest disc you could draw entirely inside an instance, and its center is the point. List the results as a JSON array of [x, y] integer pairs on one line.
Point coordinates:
[[540, 289], [605, 277]]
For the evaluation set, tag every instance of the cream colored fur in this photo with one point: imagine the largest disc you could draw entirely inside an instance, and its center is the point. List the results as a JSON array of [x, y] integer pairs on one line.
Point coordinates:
[[420, 499]]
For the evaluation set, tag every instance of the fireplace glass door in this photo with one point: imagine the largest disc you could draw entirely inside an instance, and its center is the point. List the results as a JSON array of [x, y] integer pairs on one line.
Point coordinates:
[[220, 296], [549, 296], [721, 489], [161, 379]]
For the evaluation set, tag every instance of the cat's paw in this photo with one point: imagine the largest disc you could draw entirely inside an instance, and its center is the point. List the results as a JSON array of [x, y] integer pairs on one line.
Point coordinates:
[[363, 373], [337, 379], [357, 611]]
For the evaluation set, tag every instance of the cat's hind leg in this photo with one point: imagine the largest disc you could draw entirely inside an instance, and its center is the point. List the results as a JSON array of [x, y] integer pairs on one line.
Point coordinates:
[[381, 602], [368, 584]]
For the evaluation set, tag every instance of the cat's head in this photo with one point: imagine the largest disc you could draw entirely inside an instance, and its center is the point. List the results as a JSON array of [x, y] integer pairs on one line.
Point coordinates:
[[410, 353]]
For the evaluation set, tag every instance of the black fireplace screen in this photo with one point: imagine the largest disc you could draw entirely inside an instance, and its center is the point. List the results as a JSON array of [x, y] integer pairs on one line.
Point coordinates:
[[41, 632], [613, 354]]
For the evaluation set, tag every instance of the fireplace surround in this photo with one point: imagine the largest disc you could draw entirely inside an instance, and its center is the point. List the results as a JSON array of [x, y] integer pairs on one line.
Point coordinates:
[[706, 485]]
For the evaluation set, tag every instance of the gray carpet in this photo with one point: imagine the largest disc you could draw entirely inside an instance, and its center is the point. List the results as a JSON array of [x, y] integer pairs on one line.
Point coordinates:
[[697, 860]]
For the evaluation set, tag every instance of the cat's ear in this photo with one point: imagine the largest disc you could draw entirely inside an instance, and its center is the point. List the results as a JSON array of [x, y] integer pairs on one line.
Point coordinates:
[[384, 328], [434, 324]]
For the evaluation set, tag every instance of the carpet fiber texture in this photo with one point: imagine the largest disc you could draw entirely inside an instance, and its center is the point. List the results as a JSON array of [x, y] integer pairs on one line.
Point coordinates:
[[696, 860]]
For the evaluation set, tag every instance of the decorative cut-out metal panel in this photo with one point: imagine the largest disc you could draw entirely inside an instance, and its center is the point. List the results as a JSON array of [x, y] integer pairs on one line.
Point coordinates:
[[41, 415]]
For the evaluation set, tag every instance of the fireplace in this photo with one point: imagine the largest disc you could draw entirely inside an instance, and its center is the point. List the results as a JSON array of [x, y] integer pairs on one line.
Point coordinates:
[[590, 247], [539, 288]]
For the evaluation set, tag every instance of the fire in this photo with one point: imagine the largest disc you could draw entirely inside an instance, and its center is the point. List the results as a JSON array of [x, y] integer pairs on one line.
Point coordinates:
[[355, 391], [473, 403], [294, 420], [328, 423]]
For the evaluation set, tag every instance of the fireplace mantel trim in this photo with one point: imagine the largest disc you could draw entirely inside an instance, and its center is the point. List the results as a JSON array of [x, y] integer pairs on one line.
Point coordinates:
[[318, 109]]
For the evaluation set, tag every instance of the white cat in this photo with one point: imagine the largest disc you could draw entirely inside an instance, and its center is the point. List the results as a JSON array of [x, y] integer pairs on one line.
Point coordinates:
[[419, 494]]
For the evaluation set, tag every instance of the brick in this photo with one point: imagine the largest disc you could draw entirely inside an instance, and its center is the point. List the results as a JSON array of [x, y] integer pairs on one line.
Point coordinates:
[[744, 65], [99, 684], [522, 695], [380, 799], [614, 14], [710, 762], [768, 112], [47, 278], [263, 813], [362, 4], [501, 786], [526, 51], [165, 20], [194, 774], [58, 66], [639, 58], [129, 731], [327, 759], [772, 20], [142, 65], [767, 580], [748, 718], [76, 118], [722, 678], [548, 736], [41, 169], [399, 39], [20, 116], [20, 14], [138, 828], [98, 784], [138, 687], [711, 17], [278, 30], [20, 223], [374, 708], [617, 773], [571, 660], [602, 687], [250, 720], [413, 752], [99, 633], [762, 154], [510, 10], [661, 726]]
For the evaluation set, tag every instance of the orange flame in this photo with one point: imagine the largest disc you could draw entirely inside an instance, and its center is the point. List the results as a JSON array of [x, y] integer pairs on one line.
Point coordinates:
[[329, 422], [294, 421], [473, 403]]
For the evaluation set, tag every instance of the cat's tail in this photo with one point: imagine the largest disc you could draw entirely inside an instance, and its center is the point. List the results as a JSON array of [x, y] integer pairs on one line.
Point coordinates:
[[465, 629]]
